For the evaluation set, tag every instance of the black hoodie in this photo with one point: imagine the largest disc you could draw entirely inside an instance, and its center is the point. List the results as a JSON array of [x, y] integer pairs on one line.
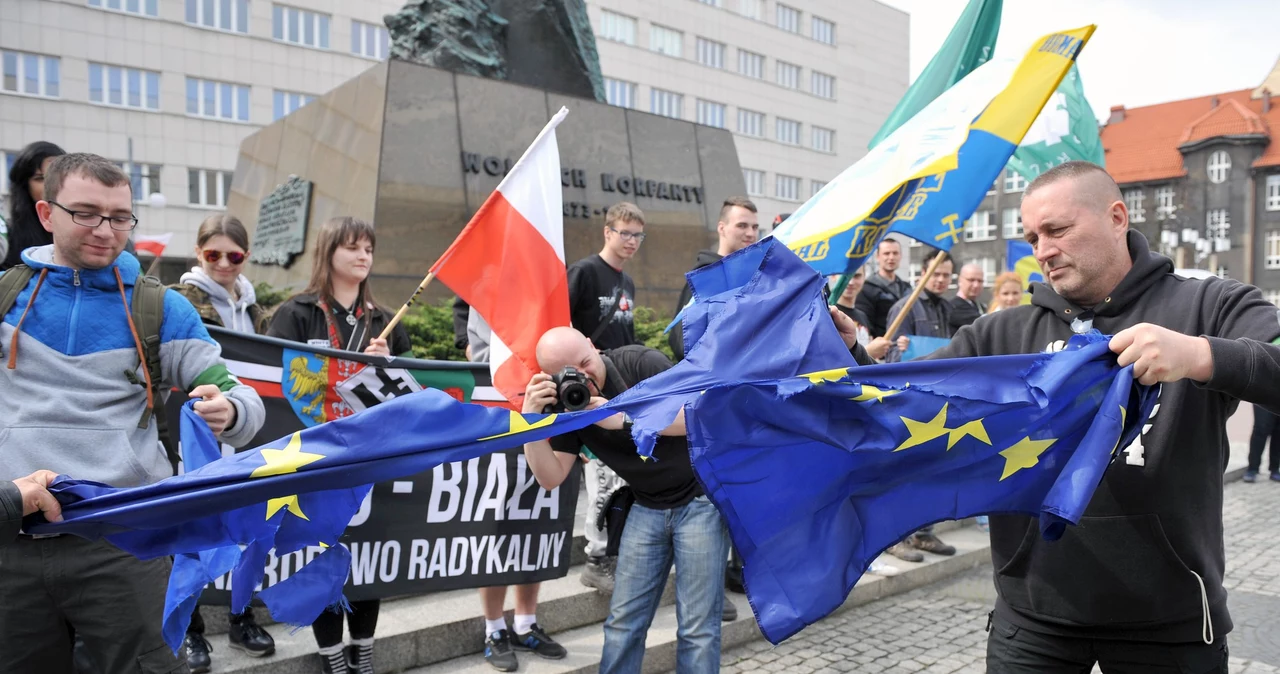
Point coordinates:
[[676, 336], [1133, 567]]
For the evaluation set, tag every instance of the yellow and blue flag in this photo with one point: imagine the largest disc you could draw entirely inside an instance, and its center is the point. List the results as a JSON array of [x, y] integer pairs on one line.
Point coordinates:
[[929, 175], [1022, 261], [817, 475]]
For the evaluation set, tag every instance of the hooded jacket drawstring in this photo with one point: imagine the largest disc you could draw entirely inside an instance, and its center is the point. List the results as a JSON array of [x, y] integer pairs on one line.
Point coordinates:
[[137, 341], [13, 344]]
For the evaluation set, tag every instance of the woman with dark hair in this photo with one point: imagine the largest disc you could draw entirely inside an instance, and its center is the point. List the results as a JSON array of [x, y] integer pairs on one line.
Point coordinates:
[[26, 187], [337, 310]]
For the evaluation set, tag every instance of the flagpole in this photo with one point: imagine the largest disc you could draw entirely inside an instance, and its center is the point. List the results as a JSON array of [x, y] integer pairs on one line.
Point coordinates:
[[911, 299], [426, 281]]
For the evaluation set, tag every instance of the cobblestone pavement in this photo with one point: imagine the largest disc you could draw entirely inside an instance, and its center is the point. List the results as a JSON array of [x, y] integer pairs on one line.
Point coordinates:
[[941, 628]]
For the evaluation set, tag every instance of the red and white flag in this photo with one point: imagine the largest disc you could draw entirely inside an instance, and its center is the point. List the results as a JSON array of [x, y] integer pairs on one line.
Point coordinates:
[[154, 244], [508, 263]]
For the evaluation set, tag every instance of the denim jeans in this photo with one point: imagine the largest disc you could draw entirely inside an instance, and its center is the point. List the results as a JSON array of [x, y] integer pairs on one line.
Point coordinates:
[[695, 536], [1265, 425]]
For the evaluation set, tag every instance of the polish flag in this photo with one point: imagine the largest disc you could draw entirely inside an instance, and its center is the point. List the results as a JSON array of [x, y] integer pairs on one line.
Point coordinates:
[[508, 263], [152, 244]]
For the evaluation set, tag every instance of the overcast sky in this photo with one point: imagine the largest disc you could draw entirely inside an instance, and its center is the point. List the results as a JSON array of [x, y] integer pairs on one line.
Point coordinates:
[[1143, 52]]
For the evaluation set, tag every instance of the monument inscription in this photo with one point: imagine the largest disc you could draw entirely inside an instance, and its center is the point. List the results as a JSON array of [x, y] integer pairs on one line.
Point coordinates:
[[282, 223]]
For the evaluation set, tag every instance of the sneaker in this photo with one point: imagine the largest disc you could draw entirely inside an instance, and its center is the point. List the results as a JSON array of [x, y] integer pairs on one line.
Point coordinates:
[[537, 642], [1275, 477], [879, 568], [730, 612], [198, 649], [334, 663], [1250, 476], [598, 573], [498, 653], [904, 552], [246, 635], [930, 543], [359, 658]]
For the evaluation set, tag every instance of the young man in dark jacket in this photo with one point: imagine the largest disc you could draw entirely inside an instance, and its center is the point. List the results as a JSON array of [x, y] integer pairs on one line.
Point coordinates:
[[738, 228], [1137, 586], [883, 289]]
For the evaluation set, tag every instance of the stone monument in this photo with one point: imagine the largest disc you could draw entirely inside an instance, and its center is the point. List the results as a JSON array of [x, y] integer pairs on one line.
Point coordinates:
[[416, 149]]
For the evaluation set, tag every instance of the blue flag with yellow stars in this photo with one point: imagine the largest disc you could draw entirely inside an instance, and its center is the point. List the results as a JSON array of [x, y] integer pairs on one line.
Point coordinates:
[[817, 475]]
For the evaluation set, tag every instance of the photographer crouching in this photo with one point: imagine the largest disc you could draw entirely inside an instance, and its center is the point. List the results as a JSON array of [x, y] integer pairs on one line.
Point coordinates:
[[671, 517]]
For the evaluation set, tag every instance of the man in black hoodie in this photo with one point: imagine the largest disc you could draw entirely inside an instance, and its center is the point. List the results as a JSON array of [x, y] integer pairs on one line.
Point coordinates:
[[1137, 586], [737, 229], [883, 289]]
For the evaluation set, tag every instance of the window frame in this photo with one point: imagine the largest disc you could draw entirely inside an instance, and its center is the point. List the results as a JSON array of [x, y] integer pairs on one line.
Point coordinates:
[[222, 185], [46, 78], [754, 115], [219, 90], [747, 175], [792, 125], [793, 181], [632, 92], [1014, 182], [713, 51], [1272, 193], [667, 34], [1133, 199], [609, 23], [1271, 250], [779, 67], [747, 59], [320, 27], [703, 105], [1219, 164], [987, 232], [672, 99], [1012, 230], [145, 79]]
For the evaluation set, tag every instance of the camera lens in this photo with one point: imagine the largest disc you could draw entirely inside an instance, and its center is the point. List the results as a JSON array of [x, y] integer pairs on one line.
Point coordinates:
[[575, 397]]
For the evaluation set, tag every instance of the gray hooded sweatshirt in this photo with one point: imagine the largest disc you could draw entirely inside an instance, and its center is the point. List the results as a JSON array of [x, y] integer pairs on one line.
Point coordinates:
[[234, 313]]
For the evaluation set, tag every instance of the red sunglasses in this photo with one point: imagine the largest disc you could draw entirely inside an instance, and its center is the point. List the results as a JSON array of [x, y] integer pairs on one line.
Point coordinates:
[[212, 256]]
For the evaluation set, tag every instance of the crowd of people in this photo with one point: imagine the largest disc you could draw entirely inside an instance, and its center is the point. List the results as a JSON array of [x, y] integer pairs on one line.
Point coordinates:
[[73, 315]]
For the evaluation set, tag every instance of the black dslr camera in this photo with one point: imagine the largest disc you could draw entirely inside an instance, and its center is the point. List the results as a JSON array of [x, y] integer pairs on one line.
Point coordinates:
[[572, 393]]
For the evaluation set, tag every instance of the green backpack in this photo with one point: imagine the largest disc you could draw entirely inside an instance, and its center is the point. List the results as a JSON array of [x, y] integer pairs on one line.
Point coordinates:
[[147, 308]]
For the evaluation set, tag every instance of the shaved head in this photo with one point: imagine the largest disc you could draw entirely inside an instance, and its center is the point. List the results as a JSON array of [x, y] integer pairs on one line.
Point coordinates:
[[1093, 188], [566, 347]]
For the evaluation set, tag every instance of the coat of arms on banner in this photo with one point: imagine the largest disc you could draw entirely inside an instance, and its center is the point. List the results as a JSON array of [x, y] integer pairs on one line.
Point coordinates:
[[321, 389]]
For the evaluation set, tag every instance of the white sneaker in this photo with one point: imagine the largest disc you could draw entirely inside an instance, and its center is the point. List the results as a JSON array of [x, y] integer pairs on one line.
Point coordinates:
[[881, 569]]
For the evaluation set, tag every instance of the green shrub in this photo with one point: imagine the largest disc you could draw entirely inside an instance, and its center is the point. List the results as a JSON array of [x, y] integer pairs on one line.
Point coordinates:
[[269, 297], [649, 326], [430, 328]]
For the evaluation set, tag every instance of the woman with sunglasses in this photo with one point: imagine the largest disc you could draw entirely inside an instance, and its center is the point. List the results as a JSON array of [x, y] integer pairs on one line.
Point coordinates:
[[337, 310], [26, 187], [222, 295], [225, 298]]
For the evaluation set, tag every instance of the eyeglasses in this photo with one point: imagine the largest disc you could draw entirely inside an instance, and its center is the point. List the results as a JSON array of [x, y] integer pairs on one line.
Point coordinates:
[[627, 236], [120, 223], [212, 256]]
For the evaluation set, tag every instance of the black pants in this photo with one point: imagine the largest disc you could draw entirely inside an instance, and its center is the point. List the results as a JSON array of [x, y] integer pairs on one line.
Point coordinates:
[[1265, 425], [362, 621], [197, 620], [1014, 650]]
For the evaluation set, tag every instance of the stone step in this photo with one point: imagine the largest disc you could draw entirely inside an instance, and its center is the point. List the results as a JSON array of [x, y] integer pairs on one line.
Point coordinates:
[[446, 626]]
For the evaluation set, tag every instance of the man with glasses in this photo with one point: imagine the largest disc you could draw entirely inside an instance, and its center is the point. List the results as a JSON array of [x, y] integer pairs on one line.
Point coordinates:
[[76, 401], [601, 298]]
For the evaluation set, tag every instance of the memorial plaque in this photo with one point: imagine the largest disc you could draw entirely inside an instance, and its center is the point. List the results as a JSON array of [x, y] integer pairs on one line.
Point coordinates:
[[282, 223]]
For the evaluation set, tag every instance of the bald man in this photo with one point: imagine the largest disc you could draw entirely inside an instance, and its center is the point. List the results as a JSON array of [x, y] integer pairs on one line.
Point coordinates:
[[965, 307], [1137, 586], [672, 519], [23, 497]]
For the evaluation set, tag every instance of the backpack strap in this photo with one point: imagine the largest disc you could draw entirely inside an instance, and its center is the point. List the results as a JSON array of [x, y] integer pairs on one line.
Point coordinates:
[[11, 284], [147, 308]]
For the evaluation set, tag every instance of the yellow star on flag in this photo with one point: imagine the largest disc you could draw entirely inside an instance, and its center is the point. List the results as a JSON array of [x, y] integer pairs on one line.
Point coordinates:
[[518, 424], [973, 428], [1024, 454], [283, 462], [826, 375], [922, 432], [872, 393]]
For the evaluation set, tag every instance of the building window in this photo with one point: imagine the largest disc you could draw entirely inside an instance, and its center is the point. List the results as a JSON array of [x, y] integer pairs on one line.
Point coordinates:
[[979, 227], [995, 188], [710, 53], [207, 98], [750, 64], [369, 40], [1273, 250], [822, 85], [787, 131], [1273, 193], [711, 114], [617, 27], [666, 103], [666, 41], [1133, 199], [915, 269], [755, 182], [912, 243], [1219, 166], [750, 123], [1013, 181], [298, 26], [823, 31], [8, 157], [285, 102], [788, 75], [988, 265], [140, 7], [1218, 225], [30, 74], [143, 178], [124, 87], [788, 18], [229, 15], [1012, 223], [1272, 296], [816, 186], [786, 188], [752, 9], [1164, 202], [620, 93], [208, 188], [824, 140]]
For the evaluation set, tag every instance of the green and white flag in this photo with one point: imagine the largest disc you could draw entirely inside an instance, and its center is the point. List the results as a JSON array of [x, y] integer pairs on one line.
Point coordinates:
[[1066, 130]]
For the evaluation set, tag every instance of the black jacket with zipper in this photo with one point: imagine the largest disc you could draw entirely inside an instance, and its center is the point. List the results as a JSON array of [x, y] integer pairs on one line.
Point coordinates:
[[676, 336], [876, 299], [1133, 569]]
